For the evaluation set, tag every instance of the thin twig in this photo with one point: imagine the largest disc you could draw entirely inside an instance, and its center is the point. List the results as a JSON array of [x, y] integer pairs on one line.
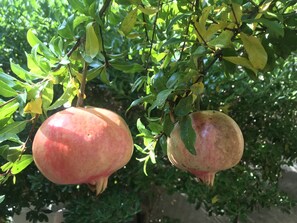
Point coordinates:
[[5, 103], [154, 33], [199, 34], [81, 94], [76, 45], [236, 20], [145, 25], [103, 47]]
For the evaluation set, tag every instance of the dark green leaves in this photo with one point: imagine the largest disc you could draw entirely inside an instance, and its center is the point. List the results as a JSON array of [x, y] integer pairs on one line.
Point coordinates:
[[161, 99], [187, 134], [184, 106]]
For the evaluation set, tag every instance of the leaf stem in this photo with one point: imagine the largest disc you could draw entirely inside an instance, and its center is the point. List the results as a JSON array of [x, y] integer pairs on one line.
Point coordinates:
[[5, 103], [76, 45], [81, 94], [154, 33], [236, 20], [199, 34]]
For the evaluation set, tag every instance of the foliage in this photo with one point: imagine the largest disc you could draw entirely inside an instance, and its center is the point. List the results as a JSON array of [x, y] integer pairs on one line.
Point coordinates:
[[154, 62], [17, 17]]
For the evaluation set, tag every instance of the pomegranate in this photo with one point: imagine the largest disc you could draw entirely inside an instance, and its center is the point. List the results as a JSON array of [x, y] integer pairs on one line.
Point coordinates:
[[82, 145], [219, 145]]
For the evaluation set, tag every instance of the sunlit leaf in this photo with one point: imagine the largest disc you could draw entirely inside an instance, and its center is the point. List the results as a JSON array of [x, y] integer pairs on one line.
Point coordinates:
[[78, 5], [21, 72], [6, 91], [66, 28], [21, 164], [47, 95], [32, 38], [13, 128], [236, 13], [67, 96], [92, 43], [129, 22], [148, 10], [127, 68], [6, 111], [223, 40], [34, 106], [256, 52], [242, 61]]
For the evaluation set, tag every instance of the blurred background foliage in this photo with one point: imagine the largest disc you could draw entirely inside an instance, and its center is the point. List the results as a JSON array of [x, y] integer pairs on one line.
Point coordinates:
[[148, 59]]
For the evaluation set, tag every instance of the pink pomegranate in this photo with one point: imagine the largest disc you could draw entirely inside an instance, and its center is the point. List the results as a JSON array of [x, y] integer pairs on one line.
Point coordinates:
[[82, 145], [219, 145]]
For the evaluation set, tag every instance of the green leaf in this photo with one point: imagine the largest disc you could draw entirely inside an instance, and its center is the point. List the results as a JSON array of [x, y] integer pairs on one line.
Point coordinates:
[[139, 83], [20, 72], [66, 28], [13, 153], [2, 197], [104, 76], [6, 112], [127, 68], [274, 28], [6, 166], [78, 5], [168, 125], [6, 90], [3, 151], [184, 106], [256, 52], [92, 43], [148, 10], [175, 19], [129, 22], [161, 99], [13, 128], [21, 164], [47, 96], [67, 96], [141, 100], [173, 40], [187, 134], [56, 46], [32, 38], [142, 130], [95, 72], [222, 41], [242, 61]]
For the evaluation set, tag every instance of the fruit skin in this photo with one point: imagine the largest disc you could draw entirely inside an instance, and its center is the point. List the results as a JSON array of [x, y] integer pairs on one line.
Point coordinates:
[[82, 145], [219, 145]]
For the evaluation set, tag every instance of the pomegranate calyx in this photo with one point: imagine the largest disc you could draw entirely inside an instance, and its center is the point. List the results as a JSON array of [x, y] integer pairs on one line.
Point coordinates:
[[99, 185]]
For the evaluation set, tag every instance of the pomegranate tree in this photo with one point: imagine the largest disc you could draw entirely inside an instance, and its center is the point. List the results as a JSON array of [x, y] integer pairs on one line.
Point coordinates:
[[82, 145], [219, 145]]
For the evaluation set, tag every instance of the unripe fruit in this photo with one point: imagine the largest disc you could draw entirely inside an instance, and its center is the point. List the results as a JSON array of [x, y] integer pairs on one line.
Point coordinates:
[[219, 145], [82, 145]]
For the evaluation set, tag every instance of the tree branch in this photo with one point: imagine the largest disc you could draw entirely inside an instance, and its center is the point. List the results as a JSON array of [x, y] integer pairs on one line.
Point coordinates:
[[81, 94], [104, 7]]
